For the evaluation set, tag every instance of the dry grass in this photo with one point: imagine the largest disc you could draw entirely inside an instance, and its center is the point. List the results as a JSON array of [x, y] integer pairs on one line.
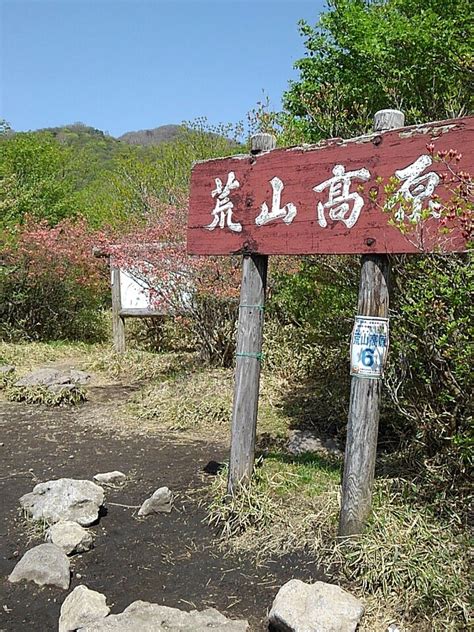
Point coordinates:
[[139, 366], [409, 566], [45, 396], [410, 560], [200, 401], [290, 504], [27, 355]]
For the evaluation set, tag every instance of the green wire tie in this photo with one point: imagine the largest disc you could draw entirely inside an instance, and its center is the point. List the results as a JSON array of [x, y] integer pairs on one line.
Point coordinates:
[[243, 354], [260, 307]]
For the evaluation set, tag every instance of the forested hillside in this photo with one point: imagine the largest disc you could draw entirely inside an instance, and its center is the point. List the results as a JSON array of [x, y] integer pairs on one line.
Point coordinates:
[[76, 170]]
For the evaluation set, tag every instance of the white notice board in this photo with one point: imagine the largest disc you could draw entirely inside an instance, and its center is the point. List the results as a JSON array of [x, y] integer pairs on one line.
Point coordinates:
[[134, 293]]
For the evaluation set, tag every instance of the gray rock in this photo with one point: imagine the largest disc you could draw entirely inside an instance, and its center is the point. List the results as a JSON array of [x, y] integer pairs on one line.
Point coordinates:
[[45, 564], [301, 441], [79, 377], [110, 478], [159, 502], [149, 617], [40, 377], [6, 369], [70, 537], [49, 377], [64, 499], [82, 607], [319, 607], [59, 388]]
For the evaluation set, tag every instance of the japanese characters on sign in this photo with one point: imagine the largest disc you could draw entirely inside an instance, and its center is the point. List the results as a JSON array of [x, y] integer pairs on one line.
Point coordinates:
[[343, 203], [325, 199], [369, 346]]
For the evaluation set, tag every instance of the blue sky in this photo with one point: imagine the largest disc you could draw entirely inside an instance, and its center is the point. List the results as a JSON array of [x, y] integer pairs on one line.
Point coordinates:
[[122, 65]]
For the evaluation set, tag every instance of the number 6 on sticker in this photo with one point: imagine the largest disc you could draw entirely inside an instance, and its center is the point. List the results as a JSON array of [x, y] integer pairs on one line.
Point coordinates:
[[367, 357]]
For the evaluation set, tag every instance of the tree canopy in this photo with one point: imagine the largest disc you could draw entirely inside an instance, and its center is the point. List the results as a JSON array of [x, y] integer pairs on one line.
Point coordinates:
[[367, 55]]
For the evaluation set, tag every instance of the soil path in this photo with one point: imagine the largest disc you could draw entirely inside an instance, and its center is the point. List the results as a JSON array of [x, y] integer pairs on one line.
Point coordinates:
[[171, 559]]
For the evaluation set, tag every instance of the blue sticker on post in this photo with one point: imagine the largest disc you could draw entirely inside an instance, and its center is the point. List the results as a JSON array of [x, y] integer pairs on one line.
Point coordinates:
[[369, 346]]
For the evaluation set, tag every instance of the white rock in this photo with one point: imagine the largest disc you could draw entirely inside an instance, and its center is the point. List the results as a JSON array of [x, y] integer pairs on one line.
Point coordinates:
[[159, 502], [141, 616], [81, 608], [64, 499], [319, 607], [110, 478], [70, 537], [45, 564]]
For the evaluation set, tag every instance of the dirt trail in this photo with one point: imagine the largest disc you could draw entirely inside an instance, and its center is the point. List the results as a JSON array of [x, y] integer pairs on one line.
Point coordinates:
[[171, 559]]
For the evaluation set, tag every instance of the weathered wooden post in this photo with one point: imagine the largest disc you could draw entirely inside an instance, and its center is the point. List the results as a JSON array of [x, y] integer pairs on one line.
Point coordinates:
[[118, 323], [248, 354], [364, 406]]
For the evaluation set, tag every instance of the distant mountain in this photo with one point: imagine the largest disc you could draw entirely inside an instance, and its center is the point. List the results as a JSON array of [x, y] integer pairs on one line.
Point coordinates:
[[155, 136], [82, 135], [76, 132]]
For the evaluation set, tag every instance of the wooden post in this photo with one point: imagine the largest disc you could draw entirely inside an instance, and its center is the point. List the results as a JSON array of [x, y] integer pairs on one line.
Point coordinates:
[[118, 323], [248, 355], [364, 406]]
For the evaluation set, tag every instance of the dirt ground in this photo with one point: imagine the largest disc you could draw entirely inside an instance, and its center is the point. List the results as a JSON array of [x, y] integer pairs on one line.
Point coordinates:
[[169, 559]]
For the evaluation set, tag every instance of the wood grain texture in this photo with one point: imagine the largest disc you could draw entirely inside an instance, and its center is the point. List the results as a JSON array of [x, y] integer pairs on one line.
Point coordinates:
[[364, 407], [388, 119], [248, 356], [247, 370], [118, 323], [303, 168]]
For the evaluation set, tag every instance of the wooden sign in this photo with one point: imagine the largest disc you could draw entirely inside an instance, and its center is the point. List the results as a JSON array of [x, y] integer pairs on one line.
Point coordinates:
[[329, 198]]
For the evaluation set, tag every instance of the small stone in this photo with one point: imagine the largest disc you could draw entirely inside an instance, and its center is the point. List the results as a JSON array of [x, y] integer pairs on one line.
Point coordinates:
[[159, 502], [110, 478], [70, 537], [151, 617], [319, 607], [81, 608], [45, 564], [64, 499]]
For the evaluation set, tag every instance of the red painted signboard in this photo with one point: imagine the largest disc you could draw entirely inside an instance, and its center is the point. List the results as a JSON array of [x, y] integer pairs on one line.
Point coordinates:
[[329, 198]]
